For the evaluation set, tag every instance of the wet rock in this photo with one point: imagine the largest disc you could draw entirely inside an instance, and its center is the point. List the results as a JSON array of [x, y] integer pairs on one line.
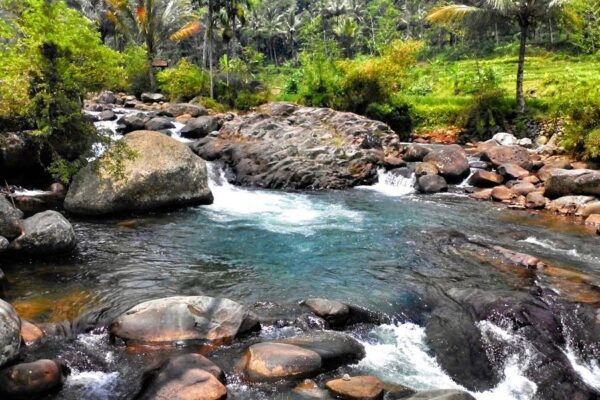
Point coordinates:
[[163, 173], [19, 160], [264, 362], [47, 232], [593, 220], [426, 168], [184, 319], [308, 389], [356, 388], [519, 259], [415, 152], [299, 357], [107, 115], [451, 162], [449, 394], [159, 124], [505, 139], [502, 193], [569, 205], [311, 322], [187, 377], [485, 194], [393, 162], [10, 219], [522, 188], [581, 182], [334, 312], [430, 184], [31, 334], [485, 179], [31, 380], [152, 97], [512, 171], [10, 333], [131, 122], [480, 165], [179, 109], [499, 155], [536, 201], [284, 146], [200, 127], [4, 244]]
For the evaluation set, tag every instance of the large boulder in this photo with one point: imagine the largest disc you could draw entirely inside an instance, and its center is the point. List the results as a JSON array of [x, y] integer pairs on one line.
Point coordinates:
[[451, 162], [187, 377], [200, 127], [284, 146], [499, 155], [162, 173], [356, 388], [415, 152], [184, 319], [152, 97], [485, 179], [179, 109], [431, 184], [31, 380], [131, 123], [106, 97], [10, 219], [10, 333], [299, 357], [159, 124], [563, 182], [47, 232]]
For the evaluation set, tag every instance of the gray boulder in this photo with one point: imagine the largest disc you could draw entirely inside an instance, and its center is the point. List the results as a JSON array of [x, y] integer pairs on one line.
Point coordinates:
[[152, 97], [430, 184], [131, 122], [184, 319], [10, 333], [106, 97], [163, 173], [563, 182], [499, 155], [10, 219], [451, 162], [47, 232], [176, 110], [200, 127], [107, 115], [159, 124]]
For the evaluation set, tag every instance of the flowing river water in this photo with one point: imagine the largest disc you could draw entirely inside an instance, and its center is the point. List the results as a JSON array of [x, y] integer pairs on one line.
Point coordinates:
[[364, 246]]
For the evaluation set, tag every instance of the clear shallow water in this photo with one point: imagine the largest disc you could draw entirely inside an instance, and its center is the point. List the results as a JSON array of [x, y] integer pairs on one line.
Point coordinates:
[[368, 247]]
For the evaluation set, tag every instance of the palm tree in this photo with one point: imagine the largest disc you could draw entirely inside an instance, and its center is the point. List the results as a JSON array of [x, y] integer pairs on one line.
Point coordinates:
[[347, 30], [524, 12], [151, 22]]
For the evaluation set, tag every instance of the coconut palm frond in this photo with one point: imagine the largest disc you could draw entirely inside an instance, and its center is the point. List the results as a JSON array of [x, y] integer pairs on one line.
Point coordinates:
[[453, 14], [188, 30], [503, 6]]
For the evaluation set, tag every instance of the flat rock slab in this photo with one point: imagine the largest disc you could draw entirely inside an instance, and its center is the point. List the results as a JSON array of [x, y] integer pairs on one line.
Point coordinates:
[[184, 319], [356, 388]]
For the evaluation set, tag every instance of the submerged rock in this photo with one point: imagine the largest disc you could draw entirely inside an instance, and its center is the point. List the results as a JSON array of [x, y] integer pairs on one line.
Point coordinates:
[[10, 333], [583, 182], [10, 219], [47, 232], [163, 173], [356, 388], [31, 380], [451, 162], [284, 146], [299, 357], [187, 377], [448, 394], [184, 319]]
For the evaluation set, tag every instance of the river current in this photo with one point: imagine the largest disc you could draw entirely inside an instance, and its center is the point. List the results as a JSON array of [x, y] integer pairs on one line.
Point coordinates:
[[363, 246]]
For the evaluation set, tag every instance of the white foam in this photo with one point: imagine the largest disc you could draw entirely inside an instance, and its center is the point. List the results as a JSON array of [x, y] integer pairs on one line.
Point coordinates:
[[390, 184], [589, 371], [274, 211], [546, 244], [96, 385], [398, 354], [30, 193]]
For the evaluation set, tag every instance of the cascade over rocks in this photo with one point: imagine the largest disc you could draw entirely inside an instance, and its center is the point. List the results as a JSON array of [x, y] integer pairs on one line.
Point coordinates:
[[562, 182], [451, 162], [163, 173], [284, 146], [186, 377], [299, 357], [47, 232], [10, 333], [184, 319]]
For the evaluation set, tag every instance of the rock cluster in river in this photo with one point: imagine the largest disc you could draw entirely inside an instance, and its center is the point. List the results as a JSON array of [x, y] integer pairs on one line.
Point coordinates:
[[284, 146], [159, 172]]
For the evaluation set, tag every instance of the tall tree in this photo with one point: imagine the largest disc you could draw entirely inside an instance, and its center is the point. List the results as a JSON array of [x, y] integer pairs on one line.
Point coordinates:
[[525, 13]]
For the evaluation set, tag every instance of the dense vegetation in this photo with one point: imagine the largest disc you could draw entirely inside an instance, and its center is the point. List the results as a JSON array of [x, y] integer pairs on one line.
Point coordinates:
[[476, 67]]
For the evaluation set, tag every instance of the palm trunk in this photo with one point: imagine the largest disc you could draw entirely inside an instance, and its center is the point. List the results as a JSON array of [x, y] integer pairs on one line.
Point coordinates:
[[150, 55], [210, 50], [524, 25]]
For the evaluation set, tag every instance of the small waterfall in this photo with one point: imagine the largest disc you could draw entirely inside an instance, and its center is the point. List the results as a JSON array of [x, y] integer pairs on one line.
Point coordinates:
[[393, 184]]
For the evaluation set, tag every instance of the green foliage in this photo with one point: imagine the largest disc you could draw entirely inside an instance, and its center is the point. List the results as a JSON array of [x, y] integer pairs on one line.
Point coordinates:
[[113, 160], [397, 116], [136, 69], [488, 113], [582, 130], [183, 81]]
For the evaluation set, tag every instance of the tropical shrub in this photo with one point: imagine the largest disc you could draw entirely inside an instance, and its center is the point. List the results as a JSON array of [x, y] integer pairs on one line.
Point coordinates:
[[488, 113], [184, 81], [582, 128]]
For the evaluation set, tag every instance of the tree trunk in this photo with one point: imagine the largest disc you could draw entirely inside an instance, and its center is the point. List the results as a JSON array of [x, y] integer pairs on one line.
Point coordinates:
[[210, 49], [150, 55], [524, 25]]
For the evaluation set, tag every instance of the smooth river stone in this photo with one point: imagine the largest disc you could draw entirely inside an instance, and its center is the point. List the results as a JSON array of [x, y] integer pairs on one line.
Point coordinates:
[[181, 319]]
